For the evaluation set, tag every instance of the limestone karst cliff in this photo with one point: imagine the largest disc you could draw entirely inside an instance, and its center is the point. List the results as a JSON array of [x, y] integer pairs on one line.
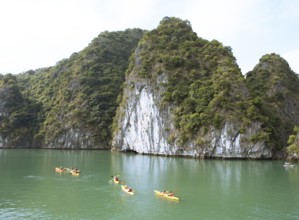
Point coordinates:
[[274, 86], [176, 94], [186, 96], [77, 96]]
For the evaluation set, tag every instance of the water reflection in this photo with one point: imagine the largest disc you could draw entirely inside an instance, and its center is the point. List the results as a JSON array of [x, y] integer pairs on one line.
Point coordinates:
[[208, 189]]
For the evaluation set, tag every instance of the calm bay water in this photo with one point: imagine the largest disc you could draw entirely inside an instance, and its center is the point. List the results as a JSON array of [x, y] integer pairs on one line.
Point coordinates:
[[208, 189]]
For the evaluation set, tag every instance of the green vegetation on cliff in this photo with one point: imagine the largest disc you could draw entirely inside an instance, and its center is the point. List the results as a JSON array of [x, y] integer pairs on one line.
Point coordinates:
[[293, 142], [203, 80], [203, 85], [81, 92], [20, 116], [275, 89]]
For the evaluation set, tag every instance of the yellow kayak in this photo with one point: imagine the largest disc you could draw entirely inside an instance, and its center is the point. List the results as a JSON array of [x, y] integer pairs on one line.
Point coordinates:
[[74, 173], [126, 189], [166, 195]]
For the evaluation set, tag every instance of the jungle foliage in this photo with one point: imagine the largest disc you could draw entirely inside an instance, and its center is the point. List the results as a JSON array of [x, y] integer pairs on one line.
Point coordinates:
[[81, 91], [20, 116], [204, 85], [275, 87], [204, 81], [293, 142]]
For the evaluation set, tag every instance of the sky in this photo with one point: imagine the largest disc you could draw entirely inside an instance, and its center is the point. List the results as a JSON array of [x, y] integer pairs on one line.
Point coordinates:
[[39, 33]]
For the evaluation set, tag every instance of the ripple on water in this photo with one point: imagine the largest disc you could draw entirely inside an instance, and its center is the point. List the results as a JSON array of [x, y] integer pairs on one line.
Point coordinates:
[[21, 213], [34, 177]]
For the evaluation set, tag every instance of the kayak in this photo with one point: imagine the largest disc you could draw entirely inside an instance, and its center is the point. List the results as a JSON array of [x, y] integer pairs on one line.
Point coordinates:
[[286, 164], [123, 187], [74, 173], [58, 170], [166, 195]]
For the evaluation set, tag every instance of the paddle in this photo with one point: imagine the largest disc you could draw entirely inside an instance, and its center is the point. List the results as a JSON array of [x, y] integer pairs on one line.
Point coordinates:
[[67, 170]]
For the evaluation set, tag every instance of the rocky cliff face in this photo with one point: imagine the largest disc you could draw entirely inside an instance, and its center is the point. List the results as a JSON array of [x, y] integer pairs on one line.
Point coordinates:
[[180, 103], [230, 143], [146, 128], [177, 94], [2, 142], [4, 93], [72, 139], [143, 127]]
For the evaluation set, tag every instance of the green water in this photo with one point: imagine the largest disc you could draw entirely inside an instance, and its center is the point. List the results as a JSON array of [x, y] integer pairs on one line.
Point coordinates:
[[208, 189]]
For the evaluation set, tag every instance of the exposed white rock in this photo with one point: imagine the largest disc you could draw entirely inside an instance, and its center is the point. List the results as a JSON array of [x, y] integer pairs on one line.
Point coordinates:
[[145, 128], [73, 138], [142, 127]]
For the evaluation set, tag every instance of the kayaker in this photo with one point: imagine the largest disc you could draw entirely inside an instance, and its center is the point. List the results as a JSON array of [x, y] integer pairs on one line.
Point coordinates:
[[75, 170], [130, 190], [170, 194], [116, 178]]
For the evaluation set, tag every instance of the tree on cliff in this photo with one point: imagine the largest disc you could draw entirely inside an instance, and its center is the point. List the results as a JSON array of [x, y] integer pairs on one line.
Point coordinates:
[[79, 94], [293, 142], [19, 116], [275, 89]]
